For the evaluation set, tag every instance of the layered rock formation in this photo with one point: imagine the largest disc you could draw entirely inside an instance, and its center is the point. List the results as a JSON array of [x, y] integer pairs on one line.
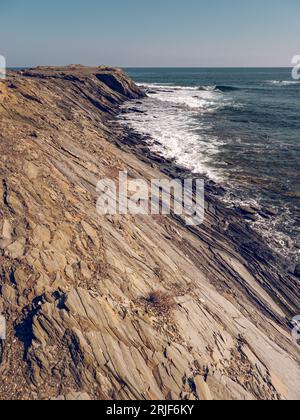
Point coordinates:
[[124, 307]]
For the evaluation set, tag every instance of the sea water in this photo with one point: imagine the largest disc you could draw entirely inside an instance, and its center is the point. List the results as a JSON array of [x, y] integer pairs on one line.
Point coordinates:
[[240, 127]]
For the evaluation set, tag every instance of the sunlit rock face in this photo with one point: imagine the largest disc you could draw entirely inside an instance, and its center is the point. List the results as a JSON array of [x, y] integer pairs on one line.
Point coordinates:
[[124, 307]]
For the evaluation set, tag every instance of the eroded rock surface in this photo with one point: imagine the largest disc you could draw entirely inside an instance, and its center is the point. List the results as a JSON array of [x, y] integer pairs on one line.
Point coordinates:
[[124, 307]]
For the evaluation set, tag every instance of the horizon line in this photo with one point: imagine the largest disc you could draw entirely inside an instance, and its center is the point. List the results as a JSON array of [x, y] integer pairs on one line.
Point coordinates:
[[155, 67]]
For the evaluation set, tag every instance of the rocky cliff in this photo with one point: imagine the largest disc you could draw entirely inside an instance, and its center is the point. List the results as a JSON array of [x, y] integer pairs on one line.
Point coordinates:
[[124, 307]]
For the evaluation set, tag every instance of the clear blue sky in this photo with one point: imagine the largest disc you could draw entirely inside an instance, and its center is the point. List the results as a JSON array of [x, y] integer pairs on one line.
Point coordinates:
[[150, 33]]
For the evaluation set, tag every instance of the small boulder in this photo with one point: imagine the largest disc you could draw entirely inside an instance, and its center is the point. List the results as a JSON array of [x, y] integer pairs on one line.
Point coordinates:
[[247, 209], [17, 249], [271, 211], [6, 230], [73, 396], [91, 233], [202, 389], [9, 294], [84, 269], [248, 212]]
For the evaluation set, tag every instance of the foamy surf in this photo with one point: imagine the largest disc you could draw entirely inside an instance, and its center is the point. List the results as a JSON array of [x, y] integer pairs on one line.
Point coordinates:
[[170, 120], [283, 82], [238, 131]]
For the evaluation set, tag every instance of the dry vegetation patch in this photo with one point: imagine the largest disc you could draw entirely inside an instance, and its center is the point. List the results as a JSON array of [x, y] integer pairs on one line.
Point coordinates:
[[160, 301]]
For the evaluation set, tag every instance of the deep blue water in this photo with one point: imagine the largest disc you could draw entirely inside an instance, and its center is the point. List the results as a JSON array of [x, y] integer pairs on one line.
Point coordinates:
[[239, 126]]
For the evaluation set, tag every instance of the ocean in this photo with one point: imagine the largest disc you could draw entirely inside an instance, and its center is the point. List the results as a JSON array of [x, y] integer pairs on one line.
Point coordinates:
[[239, 127]]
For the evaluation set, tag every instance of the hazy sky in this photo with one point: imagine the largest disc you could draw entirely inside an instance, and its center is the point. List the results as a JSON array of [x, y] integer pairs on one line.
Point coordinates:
[[150, 33]]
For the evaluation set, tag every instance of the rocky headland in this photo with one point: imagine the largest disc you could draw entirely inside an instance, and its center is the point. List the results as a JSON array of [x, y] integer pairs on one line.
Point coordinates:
[[125, 307]]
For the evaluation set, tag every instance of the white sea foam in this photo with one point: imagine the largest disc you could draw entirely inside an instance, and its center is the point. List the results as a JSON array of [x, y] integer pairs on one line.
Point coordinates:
[[171, 117], [283, 82], [271, 229], [166, 86]]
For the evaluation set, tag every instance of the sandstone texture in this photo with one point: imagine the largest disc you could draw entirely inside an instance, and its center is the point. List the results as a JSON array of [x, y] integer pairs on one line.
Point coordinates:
[[124, 307]]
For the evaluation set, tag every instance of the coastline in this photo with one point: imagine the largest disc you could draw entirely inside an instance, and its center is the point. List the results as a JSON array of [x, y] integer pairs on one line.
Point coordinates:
[[230, 225], [234, 296], [214, 190], [254, 161]]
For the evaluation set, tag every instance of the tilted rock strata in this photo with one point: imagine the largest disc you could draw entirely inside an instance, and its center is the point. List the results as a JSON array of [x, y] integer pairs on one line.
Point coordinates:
[[77, 289]]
